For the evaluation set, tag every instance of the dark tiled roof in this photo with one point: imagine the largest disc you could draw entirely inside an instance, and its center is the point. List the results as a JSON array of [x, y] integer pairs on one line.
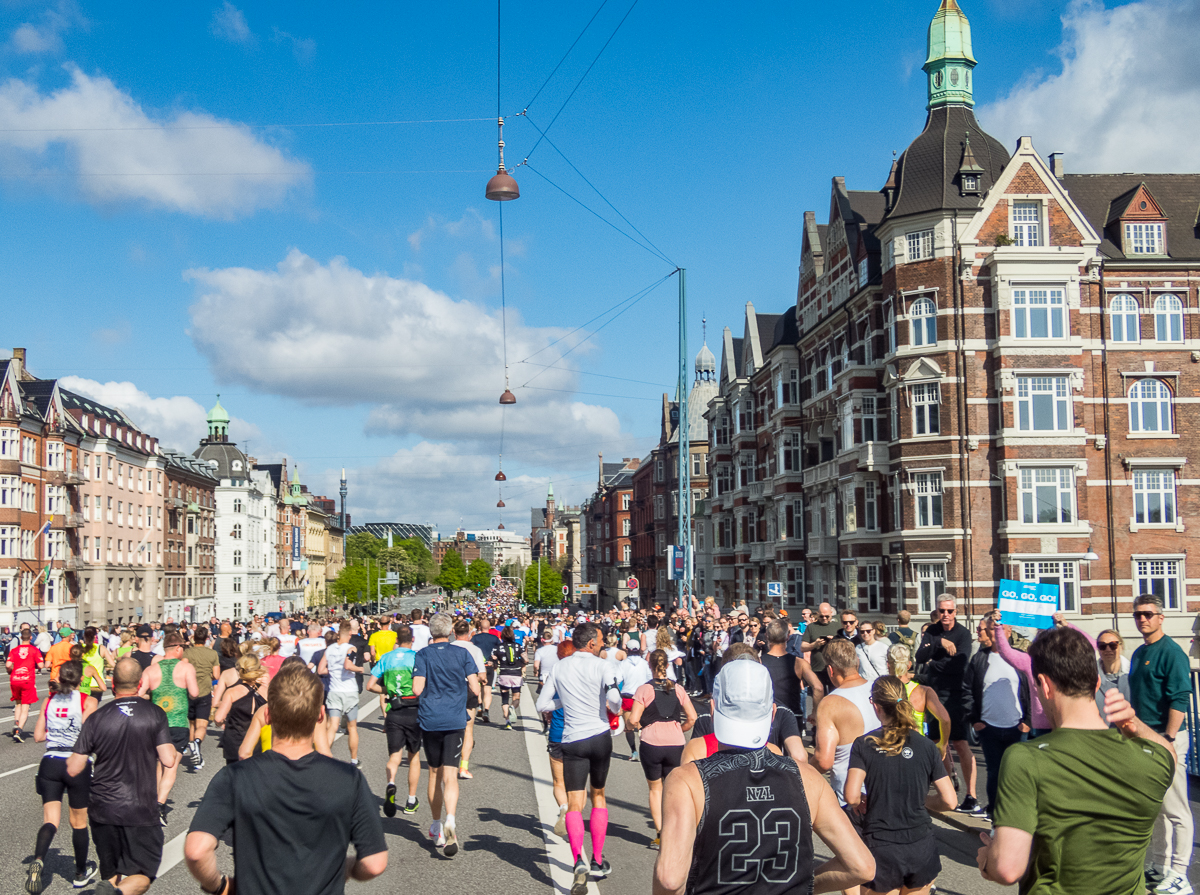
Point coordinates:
[[737, 356], [785, 332], [275, 471], [1097, 195], [928, 169], [87, 405], [766, 330], [184, 463]]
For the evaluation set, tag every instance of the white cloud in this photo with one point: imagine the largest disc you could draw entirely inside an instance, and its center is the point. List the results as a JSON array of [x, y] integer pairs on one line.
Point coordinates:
[[177, 422], [303, 48], [426, 364], [1127, 97], [45, 36], [229, 24], [179, 162]]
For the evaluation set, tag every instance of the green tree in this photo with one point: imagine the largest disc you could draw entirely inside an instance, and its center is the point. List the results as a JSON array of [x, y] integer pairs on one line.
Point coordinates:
[[422, 559], [396, 559], [479, 574], [362, 545], [550, 593], [453, 574], [351, 581]]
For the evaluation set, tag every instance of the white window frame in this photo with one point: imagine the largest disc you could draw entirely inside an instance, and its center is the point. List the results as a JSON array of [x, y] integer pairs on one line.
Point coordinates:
[[1040, 313], [926, 407], [870, 506], [870, 422], [871, 580], [889, 326], [1151, 413], [1064, 573], [1042, 488], [1144, 238], [1154, 495], [922, 314], [1124, 316], [1026, 223], [931, 581], [1031, 390], [1168, 319], [918, 245], [1162, 576], [897, 504], [927, 499]]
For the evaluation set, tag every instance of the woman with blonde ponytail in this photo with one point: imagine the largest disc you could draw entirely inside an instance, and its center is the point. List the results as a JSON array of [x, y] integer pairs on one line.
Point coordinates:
[[891, 770]]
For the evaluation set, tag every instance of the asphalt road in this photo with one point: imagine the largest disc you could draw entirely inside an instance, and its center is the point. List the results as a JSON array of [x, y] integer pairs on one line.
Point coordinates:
[[505, 821]]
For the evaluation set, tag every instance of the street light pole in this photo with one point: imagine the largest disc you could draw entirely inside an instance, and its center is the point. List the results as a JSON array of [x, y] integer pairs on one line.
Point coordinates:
[[684, 482]]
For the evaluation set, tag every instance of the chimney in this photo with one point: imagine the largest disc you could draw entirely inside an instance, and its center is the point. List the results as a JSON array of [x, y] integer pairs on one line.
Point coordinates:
[[18, 362], [1056, 165]]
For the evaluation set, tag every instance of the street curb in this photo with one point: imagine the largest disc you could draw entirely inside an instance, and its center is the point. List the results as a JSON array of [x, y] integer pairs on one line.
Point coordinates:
[[963, 822]]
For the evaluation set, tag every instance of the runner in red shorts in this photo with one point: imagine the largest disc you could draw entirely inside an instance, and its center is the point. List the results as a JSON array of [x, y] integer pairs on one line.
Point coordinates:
[[24, 660]]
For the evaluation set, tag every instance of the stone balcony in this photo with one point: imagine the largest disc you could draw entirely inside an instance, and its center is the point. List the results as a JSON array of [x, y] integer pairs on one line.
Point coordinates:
[[822, 472]]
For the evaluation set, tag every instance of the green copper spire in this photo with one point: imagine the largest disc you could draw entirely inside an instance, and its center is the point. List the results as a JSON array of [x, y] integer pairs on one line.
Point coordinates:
[[218, 422], [949, 61], [550, 493]]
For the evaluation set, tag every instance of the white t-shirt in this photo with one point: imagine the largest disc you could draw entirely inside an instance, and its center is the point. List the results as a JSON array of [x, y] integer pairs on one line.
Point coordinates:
[[43, 642], [672, 655], [287, 646], [309, 647], [546, 658], [421, 636], [476, 654], [340, 680], [872, 660], [114, 642], [584, 684], [1001, 704], [633, 673], [272, 630]]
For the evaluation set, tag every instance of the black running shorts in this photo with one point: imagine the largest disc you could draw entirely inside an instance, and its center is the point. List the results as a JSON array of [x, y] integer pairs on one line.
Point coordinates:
[[402, 729], [586, 760], [128, 851], [180, 736], [443, 748], [200, 708], [53, 780], [912, 865], [658, 761]]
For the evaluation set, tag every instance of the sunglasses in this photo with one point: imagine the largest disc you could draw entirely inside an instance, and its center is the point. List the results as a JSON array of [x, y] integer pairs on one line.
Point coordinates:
[[1144, 615], [947, 611], [1108, 644], [868, 630], [849, 621]]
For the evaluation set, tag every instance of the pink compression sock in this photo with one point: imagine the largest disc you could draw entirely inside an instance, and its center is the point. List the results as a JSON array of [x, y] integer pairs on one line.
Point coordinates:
[[598, 825], [574, 823]]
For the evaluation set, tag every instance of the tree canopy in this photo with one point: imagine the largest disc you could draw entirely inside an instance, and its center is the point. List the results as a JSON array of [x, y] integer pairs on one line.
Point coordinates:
[[479, 574], [453, 574], [550, 593]]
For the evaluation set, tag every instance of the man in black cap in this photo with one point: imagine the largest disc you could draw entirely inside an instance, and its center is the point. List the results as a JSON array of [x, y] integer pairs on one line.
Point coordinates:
[[145, 646]]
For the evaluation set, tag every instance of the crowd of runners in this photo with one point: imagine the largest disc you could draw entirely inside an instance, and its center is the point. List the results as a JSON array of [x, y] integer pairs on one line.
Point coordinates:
[[754, 730]]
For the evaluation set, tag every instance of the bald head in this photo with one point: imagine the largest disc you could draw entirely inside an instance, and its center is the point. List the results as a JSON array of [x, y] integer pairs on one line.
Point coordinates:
[[126, 675]]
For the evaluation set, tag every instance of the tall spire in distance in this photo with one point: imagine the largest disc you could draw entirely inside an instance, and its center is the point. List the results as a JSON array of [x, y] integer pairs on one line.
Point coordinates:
[[949, 60]]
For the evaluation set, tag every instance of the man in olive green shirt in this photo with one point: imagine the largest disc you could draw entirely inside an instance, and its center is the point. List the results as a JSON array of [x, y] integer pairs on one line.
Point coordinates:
[[1076, 807], [206, 661]]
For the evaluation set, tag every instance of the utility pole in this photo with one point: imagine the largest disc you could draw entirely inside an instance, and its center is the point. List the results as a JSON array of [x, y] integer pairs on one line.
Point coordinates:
[[684, 484]]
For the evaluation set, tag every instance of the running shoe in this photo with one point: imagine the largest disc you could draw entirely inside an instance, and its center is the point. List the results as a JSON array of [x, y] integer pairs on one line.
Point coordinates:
[[435, 833], [655, 842], [560, 825], [162, 814], [1173, 884], [1154, 876], [199, 763], [86, 875], [389, 801], [633, 756], [601, 870], [410, 807], [464, 774], [450, 838], [484, 719], [508, 726], [969, 806], [17, 738], [580, 884], [33, 877], [354, 763]]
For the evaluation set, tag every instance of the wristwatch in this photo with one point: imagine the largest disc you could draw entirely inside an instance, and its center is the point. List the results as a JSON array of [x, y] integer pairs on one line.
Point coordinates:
[[220, 886]]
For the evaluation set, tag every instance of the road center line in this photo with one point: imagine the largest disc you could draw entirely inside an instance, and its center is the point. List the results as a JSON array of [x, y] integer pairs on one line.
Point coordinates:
[[18, 770]]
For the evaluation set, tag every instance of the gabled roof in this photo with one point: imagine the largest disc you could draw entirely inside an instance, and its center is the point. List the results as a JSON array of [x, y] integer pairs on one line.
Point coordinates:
[[786, 332], [766, 330], [1178, 195]]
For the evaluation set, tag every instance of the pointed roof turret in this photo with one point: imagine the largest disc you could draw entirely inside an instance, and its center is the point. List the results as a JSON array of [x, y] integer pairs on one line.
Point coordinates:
[[948, 57]]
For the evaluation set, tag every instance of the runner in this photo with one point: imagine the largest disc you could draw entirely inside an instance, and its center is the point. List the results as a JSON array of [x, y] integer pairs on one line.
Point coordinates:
[[487, 643], [842, 720], [657, 709], [554, 731], [257, 738], [23, 662], [239, 702], [421, 631], [306, 810], [60, 652], [895, 765], [170, 684], [510, 673], [58, 726], [206, 661], [312, 644], [462, 633], [392, 677], [442, 678], [742, 820], [632, 673], [96, 661], [585, 686], [382, 641], [339, 662], [143, 652], [130, 740]]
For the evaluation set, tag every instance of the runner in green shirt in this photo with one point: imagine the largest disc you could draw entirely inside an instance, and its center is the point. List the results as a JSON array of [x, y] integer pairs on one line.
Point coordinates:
[[170, 683], [1075, 807]]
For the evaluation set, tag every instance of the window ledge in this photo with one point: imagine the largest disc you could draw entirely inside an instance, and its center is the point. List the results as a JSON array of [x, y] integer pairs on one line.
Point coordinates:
[[1152, 435], [1176, 526], [1033, 529]]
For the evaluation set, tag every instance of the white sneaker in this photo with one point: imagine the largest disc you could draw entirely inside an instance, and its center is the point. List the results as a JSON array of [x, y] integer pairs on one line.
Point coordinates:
[[436, 834], [1173, 884], [449, 839]]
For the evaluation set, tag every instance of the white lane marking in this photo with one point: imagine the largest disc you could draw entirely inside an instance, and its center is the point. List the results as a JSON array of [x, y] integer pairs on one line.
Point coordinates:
[[558, 852], [18, 770], [173, 850]]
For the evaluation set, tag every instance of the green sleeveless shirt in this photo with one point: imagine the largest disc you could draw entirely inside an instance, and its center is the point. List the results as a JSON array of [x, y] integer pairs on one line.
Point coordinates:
[[170, 697]]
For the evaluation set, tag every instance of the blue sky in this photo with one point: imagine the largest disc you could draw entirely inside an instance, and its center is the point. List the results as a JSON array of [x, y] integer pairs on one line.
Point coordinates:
[[181, 215]]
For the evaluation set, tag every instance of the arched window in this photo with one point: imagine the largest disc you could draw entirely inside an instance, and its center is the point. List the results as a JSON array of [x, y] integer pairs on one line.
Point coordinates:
[[237, 505], [237, 557], [923, 314], [889, 325], [1150, 406], [825, 374], [1124, 313], [1168, 319], [237, 532]]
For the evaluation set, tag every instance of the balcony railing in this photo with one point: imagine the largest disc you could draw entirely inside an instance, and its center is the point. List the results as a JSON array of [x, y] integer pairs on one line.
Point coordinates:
[[762, 550], [822, 546], [821, 472], [756, 490], [73, 520], [873, 455], [74, 477]]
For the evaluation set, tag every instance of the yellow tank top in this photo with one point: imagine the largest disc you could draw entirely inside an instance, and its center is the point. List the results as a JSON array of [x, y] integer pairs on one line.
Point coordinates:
[[94, 659], [264, 738], [909, 686]]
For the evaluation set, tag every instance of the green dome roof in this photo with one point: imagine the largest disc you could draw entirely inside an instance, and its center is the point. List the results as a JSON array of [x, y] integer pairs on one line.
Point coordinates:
[[218, 414], [949, 34]]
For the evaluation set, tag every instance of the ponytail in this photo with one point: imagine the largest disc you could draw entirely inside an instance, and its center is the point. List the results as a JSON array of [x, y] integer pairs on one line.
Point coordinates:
[[657, 660], [891, 699], [70, 673]]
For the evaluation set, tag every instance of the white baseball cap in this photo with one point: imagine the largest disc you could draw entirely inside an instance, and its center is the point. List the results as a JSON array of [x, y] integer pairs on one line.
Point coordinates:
[[743, 699]]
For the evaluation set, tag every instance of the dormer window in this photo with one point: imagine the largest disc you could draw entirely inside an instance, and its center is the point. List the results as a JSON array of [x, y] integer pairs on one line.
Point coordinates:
[[970, 183], [1144, 239]]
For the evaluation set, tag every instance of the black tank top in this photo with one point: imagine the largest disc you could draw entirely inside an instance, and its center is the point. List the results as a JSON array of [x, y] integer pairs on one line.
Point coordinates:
[[666, 705], [237, 722], [756, 832]]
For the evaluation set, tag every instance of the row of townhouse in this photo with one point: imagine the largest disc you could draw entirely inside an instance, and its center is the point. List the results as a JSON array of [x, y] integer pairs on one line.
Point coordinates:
[[989, 372], [99, 523]]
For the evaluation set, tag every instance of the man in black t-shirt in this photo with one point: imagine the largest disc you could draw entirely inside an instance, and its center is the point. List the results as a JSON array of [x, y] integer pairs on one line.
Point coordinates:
[[129, 737], [487, 643], [277, 849]]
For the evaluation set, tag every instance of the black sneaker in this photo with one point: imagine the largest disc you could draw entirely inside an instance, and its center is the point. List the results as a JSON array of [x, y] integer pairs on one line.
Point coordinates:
[[600, 871], [389, 801], [162, 814], [579, 885], [33, 877], [410, 807], [484, 719], [85, 876], [17, 738], [508, 726], [969, 806]]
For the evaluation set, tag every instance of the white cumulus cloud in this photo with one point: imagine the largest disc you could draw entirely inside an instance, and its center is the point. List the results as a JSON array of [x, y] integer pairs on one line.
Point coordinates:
[[45, 34], [1126, 96], [178, 422], [189, 162], [229, 24]]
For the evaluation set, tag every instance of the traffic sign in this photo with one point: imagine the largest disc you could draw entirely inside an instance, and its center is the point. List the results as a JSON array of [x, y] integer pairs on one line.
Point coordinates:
[[632, 583], [774, 588]]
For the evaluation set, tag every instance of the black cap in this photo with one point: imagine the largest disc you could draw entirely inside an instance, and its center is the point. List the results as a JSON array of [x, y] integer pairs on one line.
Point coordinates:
[[145, 631]]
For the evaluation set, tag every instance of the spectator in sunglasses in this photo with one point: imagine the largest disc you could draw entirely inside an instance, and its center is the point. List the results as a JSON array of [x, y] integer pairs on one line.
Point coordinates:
[[1114, 668]]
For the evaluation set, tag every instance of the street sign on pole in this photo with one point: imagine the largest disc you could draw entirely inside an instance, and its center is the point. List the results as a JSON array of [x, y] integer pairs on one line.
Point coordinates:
[[774, 588], [632, 583]]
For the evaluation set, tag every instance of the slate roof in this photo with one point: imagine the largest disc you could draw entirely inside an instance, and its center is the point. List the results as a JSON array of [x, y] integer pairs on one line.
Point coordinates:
[[766, 331], [1097, 195], [785, 332], [189, 464], [401, 531], [927, 171], [87, 405]]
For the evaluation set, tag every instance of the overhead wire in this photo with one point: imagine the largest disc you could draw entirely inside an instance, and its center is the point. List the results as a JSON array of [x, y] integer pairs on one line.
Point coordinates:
[[235, 126], [564, 56]]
